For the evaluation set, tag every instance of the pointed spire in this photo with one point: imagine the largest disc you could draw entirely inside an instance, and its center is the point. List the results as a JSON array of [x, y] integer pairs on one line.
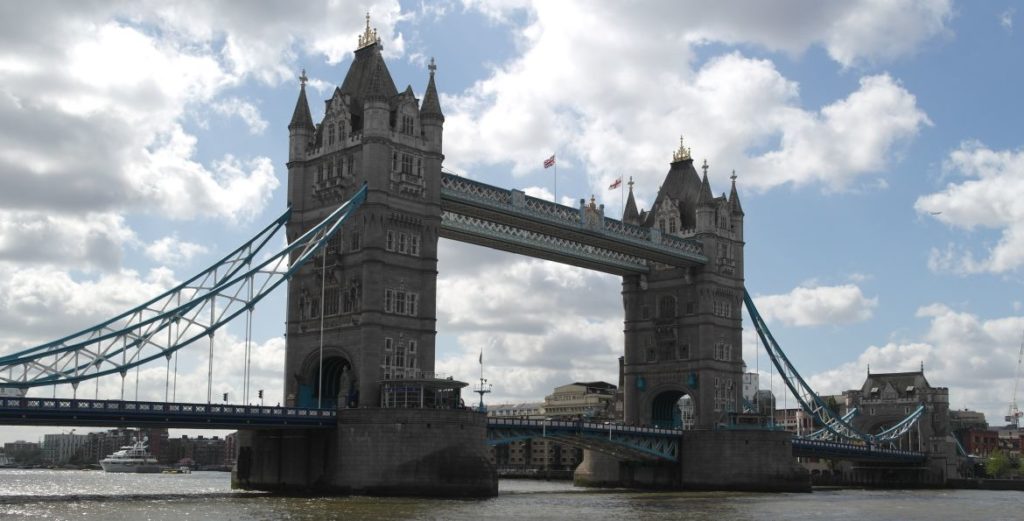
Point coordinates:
[[629, 214], [734, 198], [705, 197], [301, 117], [431, 104]]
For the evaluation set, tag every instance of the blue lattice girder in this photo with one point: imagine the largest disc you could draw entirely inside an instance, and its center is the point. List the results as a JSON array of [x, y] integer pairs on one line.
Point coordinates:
[[189, 312]]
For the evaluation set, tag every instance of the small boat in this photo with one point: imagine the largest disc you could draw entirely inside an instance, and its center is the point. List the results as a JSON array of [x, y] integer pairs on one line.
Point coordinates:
[[131, 458]]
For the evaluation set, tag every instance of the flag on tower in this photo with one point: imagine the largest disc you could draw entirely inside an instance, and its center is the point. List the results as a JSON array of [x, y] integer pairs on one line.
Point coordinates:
[[549, 162], [481, 357], [616, 184]]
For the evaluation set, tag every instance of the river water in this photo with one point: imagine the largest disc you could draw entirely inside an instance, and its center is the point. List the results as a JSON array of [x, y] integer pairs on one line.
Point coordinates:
[[52, 494]]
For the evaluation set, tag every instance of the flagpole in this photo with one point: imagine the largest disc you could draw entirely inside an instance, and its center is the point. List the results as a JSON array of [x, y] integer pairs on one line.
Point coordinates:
[[622, 199], [556, 180]]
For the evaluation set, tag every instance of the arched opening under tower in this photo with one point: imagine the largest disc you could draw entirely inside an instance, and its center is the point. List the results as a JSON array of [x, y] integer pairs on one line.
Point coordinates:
[[335, 387], [673, 410]]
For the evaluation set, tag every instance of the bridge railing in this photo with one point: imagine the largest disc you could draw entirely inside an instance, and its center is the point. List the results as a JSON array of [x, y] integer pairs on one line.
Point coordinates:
[[591, 426], [853, 448], [72, 405]]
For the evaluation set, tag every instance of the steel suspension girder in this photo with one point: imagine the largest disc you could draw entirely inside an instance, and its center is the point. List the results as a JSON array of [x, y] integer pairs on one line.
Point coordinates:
[[836, 427], [180, 316]]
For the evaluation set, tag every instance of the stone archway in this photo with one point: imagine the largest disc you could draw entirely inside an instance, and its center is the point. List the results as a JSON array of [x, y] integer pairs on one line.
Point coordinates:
[[673, 409], [338, 372]]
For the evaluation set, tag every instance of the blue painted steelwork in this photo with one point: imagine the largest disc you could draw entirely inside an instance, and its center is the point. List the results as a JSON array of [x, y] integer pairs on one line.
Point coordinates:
[[621, 441], [117, 413], [853, 451], [185, 314], [837, 427], [825, 434]]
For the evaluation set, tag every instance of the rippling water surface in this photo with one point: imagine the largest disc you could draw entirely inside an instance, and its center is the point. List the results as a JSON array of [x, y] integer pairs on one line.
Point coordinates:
[[50, 494]]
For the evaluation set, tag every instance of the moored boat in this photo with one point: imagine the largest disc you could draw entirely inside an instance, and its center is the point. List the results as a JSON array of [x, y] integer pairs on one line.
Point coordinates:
[[131, 458]]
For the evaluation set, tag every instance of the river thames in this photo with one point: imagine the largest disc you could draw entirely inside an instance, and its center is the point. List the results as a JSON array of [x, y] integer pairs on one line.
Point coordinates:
[[51, 494]]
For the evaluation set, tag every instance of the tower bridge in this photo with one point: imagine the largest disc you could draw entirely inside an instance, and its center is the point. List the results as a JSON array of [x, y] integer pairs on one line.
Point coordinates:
[[364, 410]]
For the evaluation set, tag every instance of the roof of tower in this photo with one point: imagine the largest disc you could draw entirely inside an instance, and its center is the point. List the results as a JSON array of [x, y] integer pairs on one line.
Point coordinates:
[[681, 184], [734, 198], [368, 76], [431, 104], [301, 116]]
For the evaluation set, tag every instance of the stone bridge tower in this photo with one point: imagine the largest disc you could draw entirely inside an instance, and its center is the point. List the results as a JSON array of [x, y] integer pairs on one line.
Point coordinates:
[[373, 291], [683, 354]]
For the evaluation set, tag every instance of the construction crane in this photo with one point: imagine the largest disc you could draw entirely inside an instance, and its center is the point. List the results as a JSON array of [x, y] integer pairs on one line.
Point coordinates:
[[1014, 414]]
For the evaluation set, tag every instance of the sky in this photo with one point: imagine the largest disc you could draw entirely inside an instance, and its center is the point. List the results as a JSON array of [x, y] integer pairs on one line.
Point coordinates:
[[877, 147]]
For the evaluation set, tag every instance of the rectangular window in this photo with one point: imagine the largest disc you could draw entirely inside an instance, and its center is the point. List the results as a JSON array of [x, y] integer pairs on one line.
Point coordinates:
[[400, 302], [414, 245], [412, 305], [355, 241], [406, 164], [400, 357], [391, 241], [412, 346], [389, 344], [331, 301], [401, 243], [389, 300]]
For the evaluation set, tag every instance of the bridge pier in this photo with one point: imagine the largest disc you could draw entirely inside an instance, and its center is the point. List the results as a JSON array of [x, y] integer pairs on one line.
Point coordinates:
[[388, 452], [748, 460]]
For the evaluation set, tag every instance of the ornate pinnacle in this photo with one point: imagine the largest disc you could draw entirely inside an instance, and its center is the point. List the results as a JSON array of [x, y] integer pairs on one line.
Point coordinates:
[[303, 79], [368, 37], [705, 166], [733, 177], [432, 66], [630, 183], [682, 154]]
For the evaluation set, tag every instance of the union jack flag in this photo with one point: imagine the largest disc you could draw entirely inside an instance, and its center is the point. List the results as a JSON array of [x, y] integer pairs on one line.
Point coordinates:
[[549, 162]]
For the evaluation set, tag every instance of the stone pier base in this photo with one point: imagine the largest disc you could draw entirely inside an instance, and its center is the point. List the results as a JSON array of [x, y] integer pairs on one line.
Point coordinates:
[[393, 452], [710, 460]]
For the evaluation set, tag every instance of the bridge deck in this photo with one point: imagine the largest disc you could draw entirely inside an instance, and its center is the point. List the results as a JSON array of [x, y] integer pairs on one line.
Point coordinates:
[[117, 413]]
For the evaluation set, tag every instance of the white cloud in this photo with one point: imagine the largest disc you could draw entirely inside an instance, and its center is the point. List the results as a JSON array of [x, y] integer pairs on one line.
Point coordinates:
[[736, 111], [853, 32], [815, 306], [974, 357], [92, 241], [171, 250], [1006, 19], [248, 113], [39, 304], [988, 197]]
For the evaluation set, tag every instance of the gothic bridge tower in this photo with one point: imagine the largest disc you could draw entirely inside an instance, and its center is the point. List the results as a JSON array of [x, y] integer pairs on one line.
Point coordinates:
[[683, 358], [372, 294]]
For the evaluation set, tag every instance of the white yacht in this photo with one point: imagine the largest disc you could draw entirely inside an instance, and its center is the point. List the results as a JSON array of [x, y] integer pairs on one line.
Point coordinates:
[[131, 458]]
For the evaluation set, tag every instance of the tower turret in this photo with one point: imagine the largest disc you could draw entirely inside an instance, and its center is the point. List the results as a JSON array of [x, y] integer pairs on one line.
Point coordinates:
[[301, 128], [630, 214], [431, 117], [705, 204]]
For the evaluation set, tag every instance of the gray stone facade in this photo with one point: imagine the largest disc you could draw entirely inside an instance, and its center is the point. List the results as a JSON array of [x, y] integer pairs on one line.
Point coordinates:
[[683, 325], [376, 299]]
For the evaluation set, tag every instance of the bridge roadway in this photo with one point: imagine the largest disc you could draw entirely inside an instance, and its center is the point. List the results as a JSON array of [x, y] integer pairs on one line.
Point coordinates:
[[621, 441]]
